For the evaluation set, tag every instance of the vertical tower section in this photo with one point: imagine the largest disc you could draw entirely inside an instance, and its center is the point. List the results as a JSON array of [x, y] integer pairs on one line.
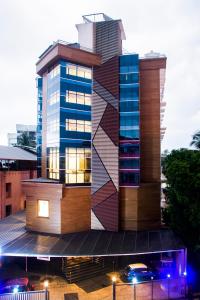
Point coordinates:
[[129, 160], [39, 126], [107, 42], [66, 74]]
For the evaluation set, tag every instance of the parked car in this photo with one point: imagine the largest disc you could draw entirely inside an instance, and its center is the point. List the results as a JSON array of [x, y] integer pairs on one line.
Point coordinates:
[[15, 285], [137, 273]]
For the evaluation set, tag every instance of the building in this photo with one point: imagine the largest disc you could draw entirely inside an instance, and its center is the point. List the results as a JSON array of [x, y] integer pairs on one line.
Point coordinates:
[[20, 128], [122, 143], [15, 165], [98, 149]]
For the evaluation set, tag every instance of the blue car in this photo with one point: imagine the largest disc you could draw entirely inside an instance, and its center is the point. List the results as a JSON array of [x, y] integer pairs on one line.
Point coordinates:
[[137, 273]]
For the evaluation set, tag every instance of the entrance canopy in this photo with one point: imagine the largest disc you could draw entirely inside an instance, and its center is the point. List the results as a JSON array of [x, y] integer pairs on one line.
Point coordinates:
[[16, 241]]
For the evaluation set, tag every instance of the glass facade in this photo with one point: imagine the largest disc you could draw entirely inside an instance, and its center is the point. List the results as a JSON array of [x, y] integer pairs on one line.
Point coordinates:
[[39, 126], [129, 160], [69, 89]]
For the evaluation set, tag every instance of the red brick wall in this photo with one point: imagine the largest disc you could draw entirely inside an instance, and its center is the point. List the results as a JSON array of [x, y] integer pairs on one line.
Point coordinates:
[[17, 197]]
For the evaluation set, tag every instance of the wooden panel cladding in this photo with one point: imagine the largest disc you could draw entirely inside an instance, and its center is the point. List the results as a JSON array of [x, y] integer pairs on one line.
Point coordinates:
[[75, 209], [75, 55], [149, 212], [140, 207], [153, 63], [150, 118], [128, 208], [43, 191], [69, 207]]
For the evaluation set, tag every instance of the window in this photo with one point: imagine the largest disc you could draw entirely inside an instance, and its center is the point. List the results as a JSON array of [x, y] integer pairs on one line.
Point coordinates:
[[77, 97], [71, 70], [78, 165], [53, 125], [54, 98], [78, 125], [54, 72], [43, 208], [8, 190], [53, 163], [129, 178], [79, 71]]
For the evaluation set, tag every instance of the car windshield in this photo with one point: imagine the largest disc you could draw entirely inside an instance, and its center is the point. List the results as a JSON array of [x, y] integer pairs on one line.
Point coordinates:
[[140, 270]]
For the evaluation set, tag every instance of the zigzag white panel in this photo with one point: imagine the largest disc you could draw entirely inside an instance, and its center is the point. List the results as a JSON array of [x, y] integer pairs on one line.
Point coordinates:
[[108, 153], [95, 223]]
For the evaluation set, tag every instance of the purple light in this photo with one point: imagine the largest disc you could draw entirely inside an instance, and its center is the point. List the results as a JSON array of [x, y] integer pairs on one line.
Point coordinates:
[[185, 273], [168, 275]]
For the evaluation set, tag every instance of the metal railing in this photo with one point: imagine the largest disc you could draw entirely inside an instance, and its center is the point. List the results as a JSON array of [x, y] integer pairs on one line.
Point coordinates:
[[165, 289], [33, 295]]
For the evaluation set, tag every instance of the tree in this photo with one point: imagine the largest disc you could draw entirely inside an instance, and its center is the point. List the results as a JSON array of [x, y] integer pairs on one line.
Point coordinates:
[[182, 170], [25, 141], [196, 140]]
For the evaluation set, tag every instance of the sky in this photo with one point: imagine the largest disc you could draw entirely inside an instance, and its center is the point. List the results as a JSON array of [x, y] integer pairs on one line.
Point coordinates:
[[172, 27]]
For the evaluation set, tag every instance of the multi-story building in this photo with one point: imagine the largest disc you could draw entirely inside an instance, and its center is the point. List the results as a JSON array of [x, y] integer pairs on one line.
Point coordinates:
[[15, 165], [98, 147], [20, 128], [122, 94]]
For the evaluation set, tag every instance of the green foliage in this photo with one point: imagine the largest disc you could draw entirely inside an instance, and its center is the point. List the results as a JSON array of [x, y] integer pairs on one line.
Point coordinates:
[[24, 141], [196, 140], [182, 170]]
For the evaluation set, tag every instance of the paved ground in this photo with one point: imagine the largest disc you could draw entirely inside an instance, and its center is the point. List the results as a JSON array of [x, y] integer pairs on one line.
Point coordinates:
[[98, 288]]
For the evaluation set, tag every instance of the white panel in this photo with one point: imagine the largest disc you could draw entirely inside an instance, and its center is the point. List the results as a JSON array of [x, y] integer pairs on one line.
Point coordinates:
[[95, 223], [85, 35], [109, 154], [98, 108]]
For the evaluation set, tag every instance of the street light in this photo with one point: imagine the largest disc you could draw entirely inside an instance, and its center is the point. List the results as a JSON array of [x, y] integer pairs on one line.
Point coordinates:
[[114, 279], [46, 284], [134, 281], [152, 287], [168, 282]]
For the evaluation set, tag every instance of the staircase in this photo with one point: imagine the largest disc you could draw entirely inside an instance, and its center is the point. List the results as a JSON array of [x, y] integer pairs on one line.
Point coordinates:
[[80, 268]]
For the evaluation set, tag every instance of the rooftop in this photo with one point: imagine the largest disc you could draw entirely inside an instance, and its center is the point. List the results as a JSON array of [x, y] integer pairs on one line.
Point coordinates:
[[69, 51], [15, 153], [16, 241]]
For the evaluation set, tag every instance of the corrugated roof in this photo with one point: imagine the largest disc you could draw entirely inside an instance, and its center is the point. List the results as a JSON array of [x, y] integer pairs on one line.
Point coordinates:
[[15, 153], [16, 241]]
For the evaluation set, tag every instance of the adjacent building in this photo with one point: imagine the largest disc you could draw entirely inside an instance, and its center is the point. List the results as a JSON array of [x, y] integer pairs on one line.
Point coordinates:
[[15, 165], [98, 135], [20, 128]]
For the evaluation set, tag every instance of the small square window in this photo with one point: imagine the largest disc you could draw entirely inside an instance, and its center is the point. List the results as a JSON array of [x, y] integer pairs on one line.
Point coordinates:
[[43, 208]]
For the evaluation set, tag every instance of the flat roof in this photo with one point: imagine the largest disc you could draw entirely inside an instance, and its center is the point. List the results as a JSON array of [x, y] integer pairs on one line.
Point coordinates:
[[15, 153], [60, 50], [15, 241]]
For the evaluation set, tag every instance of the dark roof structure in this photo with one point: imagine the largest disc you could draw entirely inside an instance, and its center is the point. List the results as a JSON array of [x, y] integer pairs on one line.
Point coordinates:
[[15, 153], [16, 241]]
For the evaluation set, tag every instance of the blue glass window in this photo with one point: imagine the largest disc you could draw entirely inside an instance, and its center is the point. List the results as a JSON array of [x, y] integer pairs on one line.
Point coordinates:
[[129, 178], [129, 163], [129, 106]]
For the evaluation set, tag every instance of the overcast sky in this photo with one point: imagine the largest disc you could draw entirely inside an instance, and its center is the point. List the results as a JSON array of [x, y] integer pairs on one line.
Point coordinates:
[[172, 27]]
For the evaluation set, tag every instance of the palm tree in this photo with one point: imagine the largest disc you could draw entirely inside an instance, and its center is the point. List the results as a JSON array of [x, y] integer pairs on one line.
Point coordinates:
[[25, 141], [196, 140]]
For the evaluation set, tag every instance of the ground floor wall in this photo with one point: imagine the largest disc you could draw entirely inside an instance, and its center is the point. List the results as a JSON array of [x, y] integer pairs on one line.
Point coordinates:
[[69, 208], [12, 198]]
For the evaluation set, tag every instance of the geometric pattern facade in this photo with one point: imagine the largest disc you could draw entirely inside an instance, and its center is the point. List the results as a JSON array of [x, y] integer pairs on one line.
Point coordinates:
[[105, 147], [105, 127]]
